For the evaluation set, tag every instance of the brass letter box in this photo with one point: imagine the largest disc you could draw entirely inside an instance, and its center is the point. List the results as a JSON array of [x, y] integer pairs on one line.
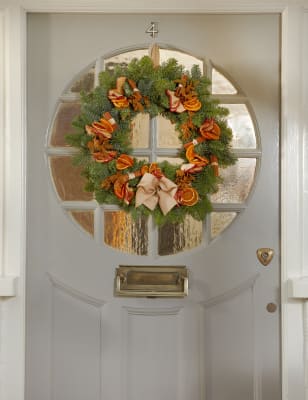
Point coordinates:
[[145, 281]]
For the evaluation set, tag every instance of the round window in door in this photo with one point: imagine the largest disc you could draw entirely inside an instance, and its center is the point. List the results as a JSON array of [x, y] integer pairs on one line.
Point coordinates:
[[154, 139]]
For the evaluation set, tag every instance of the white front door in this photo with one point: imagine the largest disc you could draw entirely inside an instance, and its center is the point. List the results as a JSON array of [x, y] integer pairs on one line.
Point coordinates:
[[222, 341]]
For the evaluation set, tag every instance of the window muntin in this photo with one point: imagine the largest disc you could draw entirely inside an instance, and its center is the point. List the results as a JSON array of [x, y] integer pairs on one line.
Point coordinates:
[[154, 140]]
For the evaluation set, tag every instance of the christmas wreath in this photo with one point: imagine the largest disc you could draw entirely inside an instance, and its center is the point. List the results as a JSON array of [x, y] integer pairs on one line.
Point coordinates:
[[167, 191]]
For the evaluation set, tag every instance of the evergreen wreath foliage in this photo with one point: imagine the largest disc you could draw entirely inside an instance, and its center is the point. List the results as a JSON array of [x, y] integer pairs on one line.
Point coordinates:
[[103, 131]]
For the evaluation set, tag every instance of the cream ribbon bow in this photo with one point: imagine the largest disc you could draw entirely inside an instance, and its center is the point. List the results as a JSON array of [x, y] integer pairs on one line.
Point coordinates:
[[152, 190]]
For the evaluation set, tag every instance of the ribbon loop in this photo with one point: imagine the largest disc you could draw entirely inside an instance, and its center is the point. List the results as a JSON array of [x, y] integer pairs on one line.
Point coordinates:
[[152, 191]]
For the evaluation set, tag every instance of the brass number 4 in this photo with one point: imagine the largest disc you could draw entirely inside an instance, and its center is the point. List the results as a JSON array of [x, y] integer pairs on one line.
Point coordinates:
[[153, 29]]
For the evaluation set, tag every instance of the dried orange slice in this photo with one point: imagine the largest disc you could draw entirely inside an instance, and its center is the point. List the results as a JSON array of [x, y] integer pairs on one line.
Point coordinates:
[[207, 125], [124, 161], [144, 169], [99, 129], [195, 158], [106, 125], [192, 104], [122, 189], [104, 157], [210, 130], [121, 103], [188, 196], [118, 99], [190, 153], [111, 120], [119, 186], [91, 146]]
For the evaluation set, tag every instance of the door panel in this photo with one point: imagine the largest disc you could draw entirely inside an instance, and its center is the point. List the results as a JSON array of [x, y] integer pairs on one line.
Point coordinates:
[[220, 342]]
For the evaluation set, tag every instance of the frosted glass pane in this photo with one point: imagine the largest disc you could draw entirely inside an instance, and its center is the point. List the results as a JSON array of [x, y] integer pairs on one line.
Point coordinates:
[[184, 59], [124, 59], [67, 179], [173, 238], [171, 160], [85, 82], [239, 120], [85, 219], [142, 158], [220, 221], [62, 125], [220, 84], [140, 132], [124, 233], [238, 181], [167, 136]]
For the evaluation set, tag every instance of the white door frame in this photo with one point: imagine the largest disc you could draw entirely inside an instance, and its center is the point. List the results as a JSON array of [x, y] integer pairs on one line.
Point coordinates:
[[294, 173]]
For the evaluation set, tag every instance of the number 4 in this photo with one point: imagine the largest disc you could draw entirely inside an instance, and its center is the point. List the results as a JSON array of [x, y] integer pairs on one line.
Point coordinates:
[[153, 29]]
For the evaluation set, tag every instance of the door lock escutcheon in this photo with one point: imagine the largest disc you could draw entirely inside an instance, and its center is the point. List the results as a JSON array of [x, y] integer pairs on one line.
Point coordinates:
[[265, 255]]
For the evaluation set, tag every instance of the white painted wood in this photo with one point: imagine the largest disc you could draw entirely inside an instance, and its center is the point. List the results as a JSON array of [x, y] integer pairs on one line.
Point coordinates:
[[2, 152], [216, 310], [8, 286], [135, 6], [2, 164], [291, 200], [237, 359], [152, 343], [298, 288], [13, 228], [76, 331], [305, 144], [292, 329], [305, 317], [56, 247], [231, 293], [94, 301]]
